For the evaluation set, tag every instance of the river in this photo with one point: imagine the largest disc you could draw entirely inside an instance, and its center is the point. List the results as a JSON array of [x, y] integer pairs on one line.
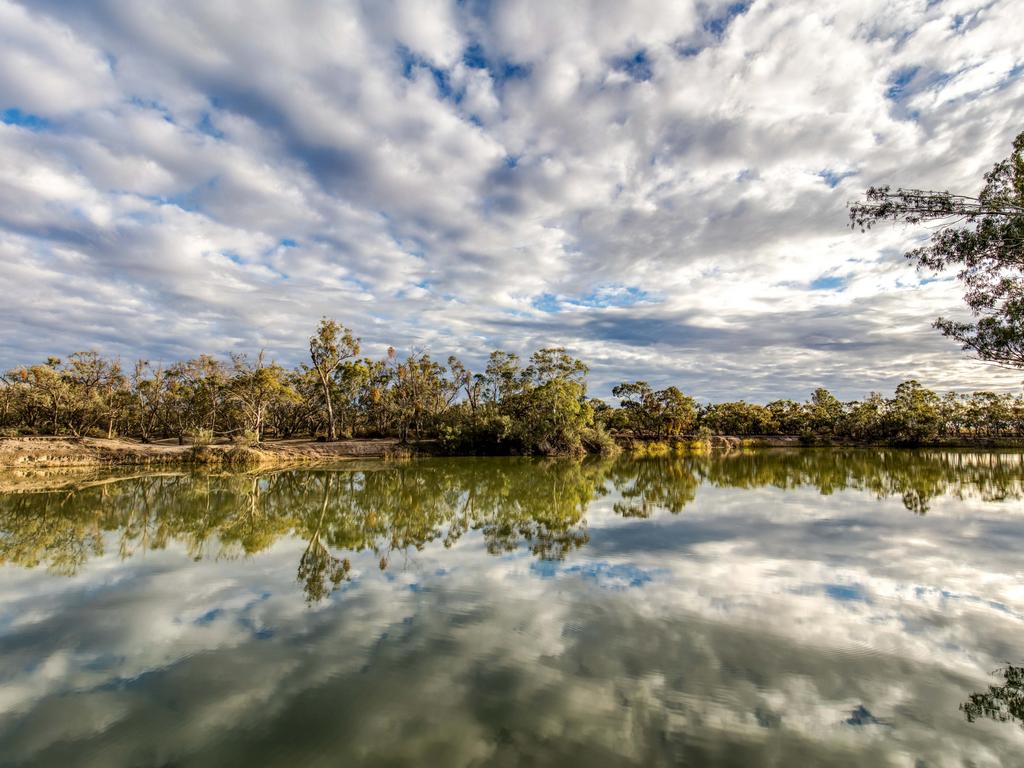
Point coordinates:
[[770, 607]]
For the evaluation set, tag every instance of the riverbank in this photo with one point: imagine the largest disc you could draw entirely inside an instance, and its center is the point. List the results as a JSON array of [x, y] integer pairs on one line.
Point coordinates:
[[48, 452], [24, 452]]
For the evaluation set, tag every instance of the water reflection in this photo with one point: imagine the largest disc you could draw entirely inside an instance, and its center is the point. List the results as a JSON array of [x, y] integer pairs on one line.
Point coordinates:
[[776, 607], [1003, 703], [392, 508]]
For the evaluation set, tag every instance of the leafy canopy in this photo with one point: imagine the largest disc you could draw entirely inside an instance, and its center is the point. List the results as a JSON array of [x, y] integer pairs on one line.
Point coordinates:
[[983, 237]]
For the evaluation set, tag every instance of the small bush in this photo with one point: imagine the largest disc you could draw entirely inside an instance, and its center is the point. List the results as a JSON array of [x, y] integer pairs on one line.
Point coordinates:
[[653, 448], [242, 457], [597, 440]]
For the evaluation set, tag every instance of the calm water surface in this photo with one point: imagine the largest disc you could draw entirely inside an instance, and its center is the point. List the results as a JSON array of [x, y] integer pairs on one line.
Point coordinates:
[[789, 608]]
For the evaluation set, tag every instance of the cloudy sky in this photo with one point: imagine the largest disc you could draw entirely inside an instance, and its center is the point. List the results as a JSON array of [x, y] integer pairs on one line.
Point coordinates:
[[658, 185]]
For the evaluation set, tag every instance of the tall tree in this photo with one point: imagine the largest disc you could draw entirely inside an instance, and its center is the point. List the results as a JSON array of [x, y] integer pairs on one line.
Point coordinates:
[[95, 385], [983, 236], [329, 347], [256, 388]]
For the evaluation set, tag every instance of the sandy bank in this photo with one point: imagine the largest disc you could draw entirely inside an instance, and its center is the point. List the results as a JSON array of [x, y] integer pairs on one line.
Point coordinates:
[[22, 452]]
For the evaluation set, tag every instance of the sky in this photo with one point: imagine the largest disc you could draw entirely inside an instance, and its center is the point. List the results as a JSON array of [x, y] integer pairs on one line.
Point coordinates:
[[659, 186]]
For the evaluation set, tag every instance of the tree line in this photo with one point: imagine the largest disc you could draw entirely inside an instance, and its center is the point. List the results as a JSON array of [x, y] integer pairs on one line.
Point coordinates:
[[913, 415], [538, 405]]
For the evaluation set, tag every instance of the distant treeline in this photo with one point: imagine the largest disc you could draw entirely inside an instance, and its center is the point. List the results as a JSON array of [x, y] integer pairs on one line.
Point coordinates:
[[539, 405]]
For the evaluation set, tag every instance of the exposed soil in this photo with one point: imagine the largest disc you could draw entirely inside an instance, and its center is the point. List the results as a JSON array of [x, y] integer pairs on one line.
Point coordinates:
[[24, 452]]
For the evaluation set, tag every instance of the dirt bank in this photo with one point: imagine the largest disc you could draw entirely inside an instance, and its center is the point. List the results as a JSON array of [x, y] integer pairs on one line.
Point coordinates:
[[23, 452]]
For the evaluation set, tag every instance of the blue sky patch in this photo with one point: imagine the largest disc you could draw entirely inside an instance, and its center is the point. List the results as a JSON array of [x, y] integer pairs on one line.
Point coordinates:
[[209, 617], [500, 70], [828, 283], [206, 126], [718, 25], [900, 80], [846, 592], [15, 116], [411, 63], [603, 297], [638, 66], [833, 178], [545, 569]]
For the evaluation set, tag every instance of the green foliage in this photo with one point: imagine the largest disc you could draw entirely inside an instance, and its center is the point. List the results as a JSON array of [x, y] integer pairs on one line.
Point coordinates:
[[737, 418], [983, 238], [329, 347], [256, 388], [598, 440], [649, 413]]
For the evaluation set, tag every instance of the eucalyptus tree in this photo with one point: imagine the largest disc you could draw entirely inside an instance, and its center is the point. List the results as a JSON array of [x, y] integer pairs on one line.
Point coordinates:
[[660, 413], [916, 413], [468, 384], [824, 412], [8, 401], [329, 347], [97, 386], [636, 400], [503, 376], [255, 388], [149, 393], [48, 394], [420, 394], [195, 396], [548, 407], [983, 237]]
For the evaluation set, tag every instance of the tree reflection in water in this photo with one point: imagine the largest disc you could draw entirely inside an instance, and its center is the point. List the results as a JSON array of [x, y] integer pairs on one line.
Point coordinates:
[[398, 508], [1003, 703]]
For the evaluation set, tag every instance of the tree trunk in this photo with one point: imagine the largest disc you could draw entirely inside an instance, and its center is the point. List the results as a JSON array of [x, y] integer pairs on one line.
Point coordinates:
[[330, 407]]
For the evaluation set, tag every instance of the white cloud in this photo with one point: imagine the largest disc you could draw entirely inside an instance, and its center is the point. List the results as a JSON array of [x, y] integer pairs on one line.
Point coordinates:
[[222, 175]]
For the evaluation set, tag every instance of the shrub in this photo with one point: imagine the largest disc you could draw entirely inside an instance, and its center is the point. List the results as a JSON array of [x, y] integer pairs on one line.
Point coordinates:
[[242, 457], [597, 440]]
